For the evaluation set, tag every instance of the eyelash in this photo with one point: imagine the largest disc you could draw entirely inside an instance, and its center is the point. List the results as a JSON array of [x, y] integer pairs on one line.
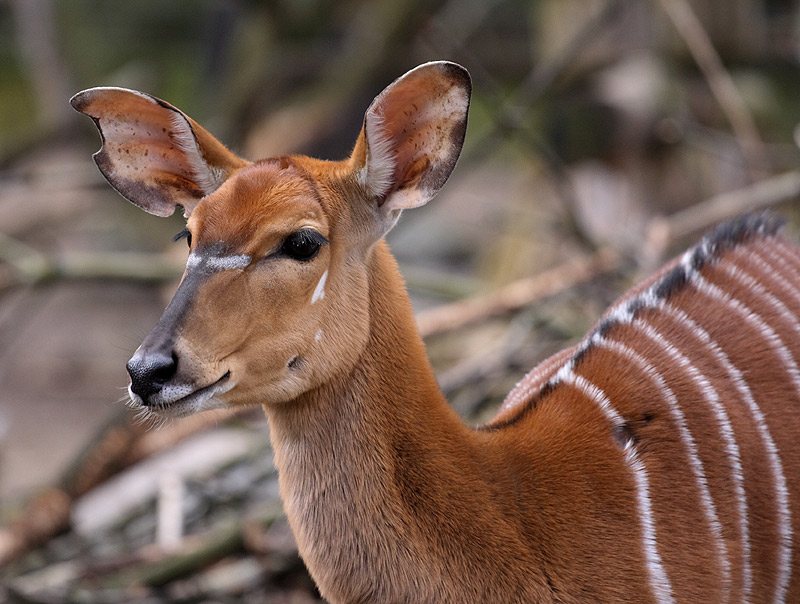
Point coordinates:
[[184, 234], [303, 245], [303, 237]]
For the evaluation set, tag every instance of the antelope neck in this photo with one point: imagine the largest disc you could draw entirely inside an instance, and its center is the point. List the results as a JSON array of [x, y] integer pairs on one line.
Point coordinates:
[[377, 458], [390, 390]]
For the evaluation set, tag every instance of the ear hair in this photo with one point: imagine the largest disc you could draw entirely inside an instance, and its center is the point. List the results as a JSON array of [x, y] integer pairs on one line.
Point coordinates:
[[154, 154], [207, 177], [377, 175]]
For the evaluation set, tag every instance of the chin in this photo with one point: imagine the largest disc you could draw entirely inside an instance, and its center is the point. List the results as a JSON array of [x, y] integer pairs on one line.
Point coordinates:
[[205, 399]]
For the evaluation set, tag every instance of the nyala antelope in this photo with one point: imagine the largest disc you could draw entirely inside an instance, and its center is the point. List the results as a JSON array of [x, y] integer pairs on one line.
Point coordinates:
[[654, 461]]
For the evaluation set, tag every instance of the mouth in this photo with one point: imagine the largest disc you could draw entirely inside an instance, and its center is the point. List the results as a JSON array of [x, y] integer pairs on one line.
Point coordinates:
[[180, 400]]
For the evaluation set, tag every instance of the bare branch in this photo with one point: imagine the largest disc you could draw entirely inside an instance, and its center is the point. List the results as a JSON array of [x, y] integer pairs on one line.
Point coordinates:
[[664, 231], [30, 266], [719, 80], [517, 294]]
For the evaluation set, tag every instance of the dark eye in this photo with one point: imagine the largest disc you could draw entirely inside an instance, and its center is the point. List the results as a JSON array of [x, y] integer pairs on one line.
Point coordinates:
[[184, 234], [303, 245]]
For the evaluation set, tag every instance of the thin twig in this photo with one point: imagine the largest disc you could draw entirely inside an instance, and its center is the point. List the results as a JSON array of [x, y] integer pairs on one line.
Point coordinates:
[[517, 294], [720, 207], [196, 552], [719, 80], [118, 444], [662, 232], [511, 110], [31, 267]]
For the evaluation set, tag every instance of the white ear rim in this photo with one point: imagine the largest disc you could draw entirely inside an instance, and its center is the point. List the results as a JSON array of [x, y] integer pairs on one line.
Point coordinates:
[[377, 175]]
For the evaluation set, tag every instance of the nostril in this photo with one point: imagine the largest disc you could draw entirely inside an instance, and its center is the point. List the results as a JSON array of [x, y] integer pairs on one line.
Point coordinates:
[[149, 372], [162, 372]]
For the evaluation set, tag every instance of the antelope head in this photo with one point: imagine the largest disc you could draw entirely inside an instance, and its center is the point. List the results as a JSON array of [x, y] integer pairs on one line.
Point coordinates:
[[274, 298]]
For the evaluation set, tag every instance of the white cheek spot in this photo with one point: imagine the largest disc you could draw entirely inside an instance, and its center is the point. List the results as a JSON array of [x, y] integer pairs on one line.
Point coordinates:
[[319, 291], [318, 337]]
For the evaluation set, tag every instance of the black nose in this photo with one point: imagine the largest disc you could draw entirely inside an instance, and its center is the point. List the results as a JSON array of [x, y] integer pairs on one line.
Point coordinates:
[[150, 371]]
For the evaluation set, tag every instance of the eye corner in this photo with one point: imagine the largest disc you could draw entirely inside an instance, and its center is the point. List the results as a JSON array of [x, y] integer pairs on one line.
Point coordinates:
[[184, 234]]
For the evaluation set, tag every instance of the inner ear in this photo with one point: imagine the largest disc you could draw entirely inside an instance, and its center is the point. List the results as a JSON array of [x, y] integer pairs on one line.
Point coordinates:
[[154, 154], [412, 135]]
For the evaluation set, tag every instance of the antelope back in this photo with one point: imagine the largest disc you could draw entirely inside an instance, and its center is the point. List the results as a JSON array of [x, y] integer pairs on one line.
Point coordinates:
[[696, 371]]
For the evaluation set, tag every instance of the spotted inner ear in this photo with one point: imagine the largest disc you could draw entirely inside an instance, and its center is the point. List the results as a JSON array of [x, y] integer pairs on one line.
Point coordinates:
[[412, 135], [153, 154]]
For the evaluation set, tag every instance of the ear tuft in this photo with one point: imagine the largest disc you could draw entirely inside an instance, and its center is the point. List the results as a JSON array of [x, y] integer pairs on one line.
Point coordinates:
[[377, 176], [207, 178]]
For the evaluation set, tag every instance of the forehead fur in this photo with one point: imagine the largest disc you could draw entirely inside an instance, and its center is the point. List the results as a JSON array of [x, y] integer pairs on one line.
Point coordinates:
[[273, 191]]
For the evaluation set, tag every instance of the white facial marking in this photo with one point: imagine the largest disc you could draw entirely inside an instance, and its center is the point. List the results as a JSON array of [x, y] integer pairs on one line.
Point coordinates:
[[180, 400], [318, 337], [193, 260], [319, 291], [218, 263], [224, 263]]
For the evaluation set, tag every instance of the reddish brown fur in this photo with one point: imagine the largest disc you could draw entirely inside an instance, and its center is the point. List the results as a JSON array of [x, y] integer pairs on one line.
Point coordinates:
[[390, 496], [673, 488]]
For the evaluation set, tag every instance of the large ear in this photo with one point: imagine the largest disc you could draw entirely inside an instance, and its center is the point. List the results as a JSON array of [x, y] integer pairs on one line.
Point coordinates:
[[412, 136], [154, 154]]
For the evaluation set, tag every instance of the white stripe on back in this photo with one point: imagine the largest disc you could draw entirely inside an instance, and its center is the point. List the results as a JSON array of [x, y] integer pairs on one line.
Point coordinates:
[[623, 313], [696, 465], [532, 382], [788, 257], [735, 272], [781, 490], [760, 271], [764, 266], [726, 431], [659, 582]]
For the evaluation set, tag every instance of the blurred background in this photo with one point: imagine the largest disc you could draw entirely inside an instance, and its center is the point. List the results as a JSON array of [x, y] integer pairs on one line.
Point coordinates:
[[604, 136]]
